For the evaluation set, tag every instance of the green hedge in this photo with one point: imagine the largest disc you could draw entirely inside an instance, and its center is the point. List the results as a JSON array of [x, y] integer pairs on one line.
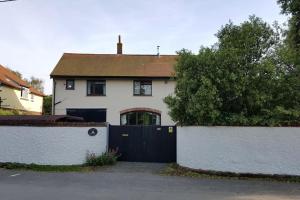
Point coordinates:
[[9, 112]]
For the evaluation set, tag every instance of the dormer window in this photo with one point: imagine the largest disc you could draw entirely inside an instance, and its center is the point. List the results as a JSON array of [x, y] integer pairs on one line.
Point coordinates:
[[24, 92], [70, 84]]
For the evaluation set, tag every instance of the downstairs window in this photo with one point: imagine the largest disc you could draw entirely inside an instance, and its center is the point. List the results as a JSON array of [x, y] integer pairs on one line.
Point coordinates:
[[140, 118]]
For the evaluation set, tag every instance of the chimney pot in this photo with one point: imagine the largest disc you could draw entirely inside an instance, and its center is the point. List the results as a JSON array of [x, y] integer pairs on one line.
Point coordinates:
[[119, 46]]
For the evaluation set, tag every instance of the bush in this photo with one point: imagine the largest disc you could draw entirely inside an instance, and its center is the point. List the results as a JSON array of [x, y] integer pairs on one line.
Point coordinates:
[[9, 112], [47, 105], [108, 158]]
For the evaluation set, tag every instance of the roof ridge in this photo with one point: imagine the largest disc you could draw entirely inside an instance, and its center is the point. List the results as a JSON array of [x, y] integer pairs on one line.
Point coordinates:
[[109, 54]]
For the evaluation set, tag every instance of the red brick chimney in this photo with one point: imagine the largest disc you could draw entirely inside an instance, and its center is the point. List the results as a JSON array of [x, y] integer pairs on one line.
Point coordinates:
[[119, 46]]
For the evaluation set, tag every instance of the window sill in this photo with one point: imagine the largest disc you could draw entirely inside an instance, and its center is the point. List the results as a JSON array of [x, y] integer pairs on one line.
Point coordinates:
[[96, 95], [136, 95]]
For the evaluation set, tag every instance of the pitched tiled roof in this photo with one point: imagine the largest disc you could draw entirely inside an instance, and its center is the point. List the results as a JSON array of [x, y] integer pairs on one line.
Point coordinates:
[[115, 65], [7, 77], [35, 91]]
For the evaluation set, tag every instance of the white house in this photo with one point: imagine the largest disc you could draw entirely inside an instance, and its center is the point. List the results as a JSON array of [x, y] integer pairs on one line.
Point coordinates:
[[16, 94], [121, 89]]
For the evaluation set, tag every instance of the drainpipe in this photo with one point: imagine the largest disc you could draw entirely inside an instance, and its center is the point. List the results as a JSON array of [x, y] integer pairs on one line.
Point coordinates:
[[53, 96]]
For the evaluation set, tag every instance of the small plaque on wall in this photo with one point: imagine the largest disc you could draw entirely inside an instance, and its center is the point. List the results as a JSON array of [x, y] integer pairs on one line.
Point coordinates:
[[92, 132]]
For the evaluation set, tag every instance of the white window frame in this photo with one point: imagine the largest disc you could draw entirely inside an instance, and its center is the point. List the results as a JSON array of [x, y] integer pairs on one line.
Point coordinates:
[[25, 92]]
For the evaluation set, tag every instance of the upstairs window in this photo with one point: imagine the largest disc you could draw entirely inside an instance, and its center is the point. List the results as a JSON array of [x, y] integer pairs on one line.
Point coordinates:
[[70, 84], [142, 88], [96, 88], [24, 92]]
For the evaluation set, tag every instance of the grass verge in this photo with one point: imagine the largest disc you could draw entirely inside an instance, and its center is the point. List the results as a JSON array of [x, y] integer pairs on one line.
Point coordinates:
[[176, 170], [93, 162], [47, 168]]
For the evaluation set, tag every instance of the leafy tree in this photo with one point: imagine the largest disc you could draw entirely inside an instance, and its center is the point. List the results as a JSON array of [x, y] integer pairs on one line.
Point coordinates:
[[289, 58], [196, 100], [47, 105], [292, 7], [235, 82], [37, 83], [244, 58]]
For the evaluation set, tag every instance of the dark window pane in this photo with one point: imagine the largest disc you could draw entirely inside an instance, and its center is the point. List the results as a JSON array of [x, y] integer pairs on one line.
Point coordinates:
[[70, 84], [147, 119], [89, 115], [96, 88], [132, 120], [140, 118], [143, 88]]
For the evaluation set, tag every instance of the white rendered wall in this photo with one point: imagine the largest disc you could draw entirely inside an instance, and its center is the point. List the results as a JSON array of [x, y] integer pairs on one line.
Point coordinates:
[[119, 96], [240, 149], [50, 145]]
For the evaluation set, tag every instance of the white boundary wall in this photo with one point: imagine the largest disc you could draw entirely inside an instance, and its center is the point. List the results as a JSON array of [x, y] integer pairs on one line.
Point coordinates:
[[50, 145], [263, 150]]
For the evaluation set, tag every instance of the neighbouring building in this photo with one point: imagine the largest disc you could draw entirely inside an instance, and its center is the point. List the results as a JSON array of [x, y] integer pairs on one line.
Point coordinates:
[[122, 89], [16, 94]]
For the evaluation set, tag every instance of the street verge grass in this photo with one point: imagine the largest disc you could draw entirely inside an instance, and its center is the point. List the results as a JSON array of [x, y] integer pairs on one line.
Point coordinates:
[[93, 162], [45, 168], [176, 170]]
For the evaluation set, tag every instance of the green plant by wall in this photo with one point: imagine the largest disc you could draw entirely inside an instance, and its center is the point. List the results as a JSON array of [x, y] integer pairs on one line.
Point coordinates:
[[107, 158]]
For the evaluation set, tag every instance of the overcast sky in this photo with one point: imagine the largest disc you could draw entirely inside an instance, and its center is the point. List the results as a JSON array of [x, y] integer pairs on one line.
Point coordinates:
[[35, 33]]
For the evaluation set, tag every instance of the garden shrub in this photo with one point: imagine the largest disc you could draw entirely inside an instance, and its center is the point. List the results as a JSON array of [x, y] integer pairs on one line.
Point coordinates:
[[107, 158]]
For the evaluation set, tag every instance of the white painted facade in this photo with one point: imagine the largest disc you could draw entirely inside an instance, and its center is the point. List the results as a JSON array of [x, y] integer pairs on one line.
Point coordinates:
[[13, 100], [50, 145], [266, 150], [119, 96]]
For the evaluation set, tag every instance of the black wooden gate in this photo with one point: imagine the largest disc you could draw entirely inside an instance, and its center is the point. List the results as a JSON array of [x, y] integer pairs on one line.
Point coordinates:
[[144, 143]]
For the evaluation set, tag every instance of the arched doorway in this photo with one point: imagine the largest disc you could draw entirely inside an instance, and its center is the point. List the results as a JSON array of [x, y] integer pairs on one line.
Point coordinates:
[[140, 116]]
